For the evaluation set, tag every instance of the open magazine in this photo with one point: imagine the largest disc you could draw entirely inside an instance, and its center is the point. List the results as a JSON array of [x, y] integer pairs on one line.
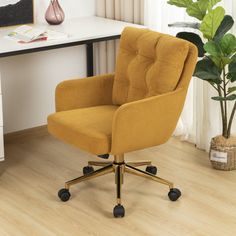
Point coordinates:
[[28, 34]]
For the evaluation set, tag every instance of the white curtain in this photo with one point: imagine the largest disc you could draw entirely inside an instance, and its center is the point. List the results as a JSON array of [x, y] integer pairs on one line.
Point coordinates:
[[126, 10], [200, 120]]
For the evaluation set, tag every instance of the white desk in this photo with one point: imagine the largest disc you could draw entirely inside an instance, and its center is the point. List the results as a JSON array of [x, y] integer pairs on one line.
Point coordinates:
[[80, 30]]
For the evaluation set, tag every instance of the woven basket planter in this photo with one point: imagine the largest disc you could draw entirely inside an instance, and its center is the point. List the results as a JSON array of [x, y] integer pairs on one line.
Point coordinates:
[[223, 153]]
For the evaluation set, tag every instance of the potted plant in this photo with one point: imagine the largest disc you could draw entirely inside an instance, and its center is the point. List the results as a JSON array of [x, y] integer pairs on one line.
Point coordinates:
[[217, 66]]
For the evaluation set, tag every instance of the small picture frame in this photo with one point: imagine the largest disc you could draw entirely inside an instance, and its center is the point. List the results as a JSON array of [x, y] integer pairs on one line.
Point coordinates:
[[16, 12]]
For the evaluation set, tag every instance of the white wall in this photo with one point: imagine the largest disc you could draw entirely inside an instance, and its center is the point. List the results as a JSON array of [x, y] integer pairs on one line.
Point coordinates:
[[29, 81], [72, 8]]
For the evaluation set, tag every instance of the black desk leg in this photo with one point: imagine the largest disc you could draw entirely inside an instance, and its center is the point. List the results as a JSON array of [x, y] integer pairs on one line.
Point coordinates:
[[89, 48]]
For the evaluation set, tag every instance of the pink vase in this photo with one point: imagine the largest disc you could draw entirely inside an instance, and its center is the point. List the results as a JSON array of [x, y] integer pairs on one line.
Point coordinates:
[[54, 14]]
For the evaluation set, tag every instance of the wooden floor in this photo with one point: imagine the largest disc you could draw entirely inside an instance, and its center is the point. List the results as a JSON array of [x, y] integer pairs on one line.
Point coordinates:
[[37, 167]]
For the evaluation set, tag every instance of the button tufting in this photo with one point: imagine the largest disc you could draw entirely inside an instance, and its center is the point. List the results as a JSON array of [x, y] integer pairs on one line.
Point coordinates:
[[145, 65]]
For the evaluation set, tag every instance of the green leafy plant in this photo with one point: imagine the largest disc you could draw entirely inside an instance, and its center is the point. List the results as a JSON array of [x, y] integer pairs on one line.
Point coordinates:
[[217, 65]]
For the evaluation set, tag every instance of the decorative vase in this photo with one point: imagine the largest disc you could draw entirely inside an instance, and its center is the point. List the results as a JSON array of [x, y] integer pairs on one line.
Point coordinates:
[[223, 153], [54, 14]]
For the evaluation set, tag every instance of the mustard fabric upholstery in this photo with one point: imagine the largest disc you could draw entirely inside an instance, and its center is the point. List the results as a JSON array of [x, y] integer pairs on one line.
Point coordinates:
[[150, 121], [87, 92], [87, 128], [136, 108], [148, 64]]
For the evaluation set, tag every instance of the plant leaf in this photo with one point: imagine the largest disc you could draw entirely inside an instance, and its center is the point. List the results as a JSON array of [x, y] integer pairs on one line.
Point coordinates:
[[211, 22], [218, 98], [228, 44], [231, 77], [232, 65], [232, 70], [220, 52], [180, 3], [206, 70], [212, 3], [193, 38], [226, 24], [232, 89], [229, 98], [220, 62], [198, 9], [212, 48], [216, 61]]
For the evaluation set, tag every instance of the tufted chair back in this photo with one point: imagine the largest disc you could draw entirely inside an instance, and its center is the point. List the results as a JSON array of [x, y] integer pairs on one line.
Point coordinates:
[[148, 64]]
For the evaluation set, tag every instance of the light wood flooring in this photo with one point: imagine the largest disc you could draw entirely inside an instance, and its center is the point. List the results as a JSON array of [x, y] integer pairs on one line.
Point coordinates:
[[37, 166]]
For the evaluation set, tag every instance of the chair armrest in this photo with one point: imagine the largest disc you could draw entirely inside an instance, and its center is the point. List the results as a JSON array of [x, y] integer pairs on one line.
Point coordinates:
[[78, 93], [147, 122]]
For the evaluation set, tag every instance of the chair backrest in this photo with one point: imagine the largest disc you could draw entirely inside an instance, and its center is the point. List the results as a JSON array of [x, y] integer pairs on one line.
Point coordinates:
[[150, 63]]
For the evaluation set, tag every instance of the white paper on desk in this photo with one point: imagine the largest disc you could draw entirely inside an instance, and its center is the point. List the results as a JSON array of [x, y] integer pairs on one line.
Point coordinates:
[[55, 35], [26, 33]]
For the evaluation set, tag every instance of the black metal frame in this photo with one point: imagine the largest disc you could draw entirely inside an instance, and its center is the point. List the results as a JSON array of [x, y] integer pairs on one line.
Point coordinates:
[[88, 43]]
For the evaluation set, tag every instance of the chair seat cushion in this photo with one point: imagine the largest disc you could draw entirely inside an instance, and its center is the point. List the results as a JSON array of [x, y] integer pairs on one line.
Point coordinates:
[[87, 128]]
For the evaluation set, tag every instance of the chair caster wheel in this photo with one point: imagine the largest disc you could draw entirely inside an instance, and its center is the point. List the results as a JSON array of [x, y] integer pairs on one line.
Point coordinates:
[[119, 211], [64, 194], [151, 170], [88, 170], [174, 194], [104, 156]]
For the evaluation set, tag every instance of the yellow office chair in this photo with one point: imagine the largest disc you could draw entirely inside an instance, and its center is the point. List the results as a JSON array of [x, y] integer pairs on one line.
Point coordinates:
[[135, 108]]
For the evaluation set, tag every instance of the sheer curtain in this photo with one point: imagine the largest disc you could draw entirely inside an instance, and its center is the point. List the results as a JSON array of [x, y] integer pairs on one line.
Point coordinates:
[[200, 120], [126, 10]]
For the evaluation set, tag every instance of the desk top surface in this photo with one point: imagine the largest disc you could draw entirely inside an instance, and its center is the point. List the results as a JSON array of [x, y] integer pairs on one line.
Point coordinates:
[[78, 30]]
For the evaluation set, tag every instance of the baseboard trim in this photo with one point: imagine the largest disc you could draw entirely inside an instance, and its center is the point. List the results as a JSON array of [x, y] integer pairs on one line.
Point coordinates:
[[26, 133]]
